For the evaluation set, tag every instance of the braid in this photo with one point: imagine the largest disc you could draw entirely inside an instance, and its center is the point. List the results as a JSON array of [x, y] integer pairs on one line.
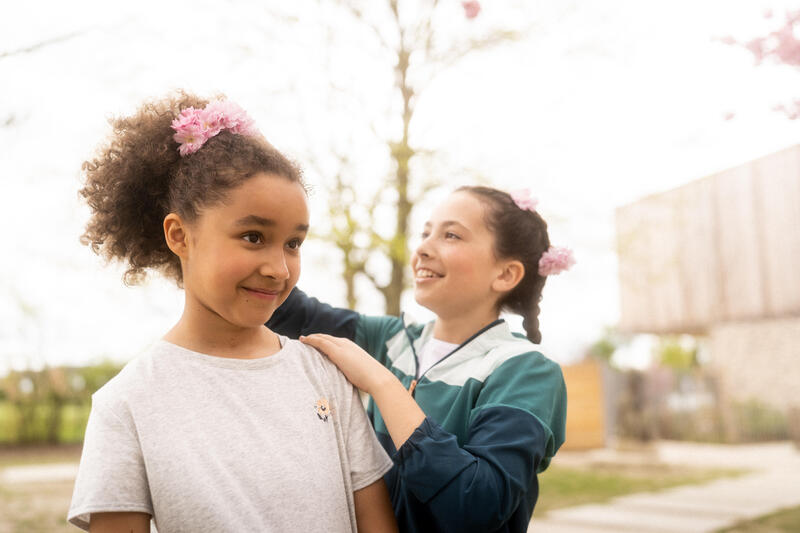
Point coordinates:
[[530, 316]]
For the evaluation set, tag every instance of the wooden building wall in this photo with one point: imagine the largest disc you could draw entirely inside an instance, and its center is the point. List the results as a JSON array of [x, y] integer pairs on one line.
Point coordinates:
[[722, 248]]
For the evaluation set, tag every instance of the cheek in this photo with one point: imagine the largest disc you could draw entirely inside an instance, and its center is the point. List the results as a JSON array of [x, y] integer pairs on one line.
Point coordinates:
[[463, 262], [470, 264], [293, 264], [230, 267]]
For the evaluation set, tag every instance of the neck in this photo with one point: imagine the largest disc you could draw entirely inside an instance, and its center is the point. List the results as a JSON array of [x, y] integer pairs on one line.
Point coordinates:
[[201, 330], [460, 327]]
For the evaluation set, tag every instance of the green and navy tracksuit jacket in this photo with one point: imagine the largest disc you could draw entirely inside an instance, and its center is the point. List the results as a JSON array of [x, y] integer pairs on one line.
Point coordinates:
[[495, 414]]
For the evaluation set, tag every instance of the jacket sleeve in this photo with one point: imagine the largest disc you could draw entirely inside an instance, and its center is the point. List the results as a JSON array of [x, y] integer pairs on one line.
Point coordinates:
[[479, 485], [301, 314]]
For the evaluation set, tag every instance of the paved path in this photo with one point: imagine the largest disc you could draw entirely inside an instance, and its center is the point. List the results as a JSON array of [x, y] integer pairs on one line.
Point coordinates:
[[773, 484], [39, 473]]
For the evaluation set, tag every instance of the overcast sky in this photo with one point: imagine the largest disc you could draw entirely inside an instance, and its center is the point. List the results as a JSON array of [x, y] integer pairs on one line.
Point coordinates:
[[602, 103]]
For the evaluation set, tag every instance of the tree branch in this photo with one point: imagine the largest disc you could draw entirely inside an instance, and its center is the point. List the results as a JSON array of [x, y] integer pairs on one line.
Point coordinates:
[[42, 44]]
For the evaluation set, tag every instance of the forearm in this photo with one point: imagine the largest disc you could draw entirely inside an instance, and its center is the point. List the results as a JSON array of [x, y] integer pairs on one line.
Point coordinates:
[[399, 410]]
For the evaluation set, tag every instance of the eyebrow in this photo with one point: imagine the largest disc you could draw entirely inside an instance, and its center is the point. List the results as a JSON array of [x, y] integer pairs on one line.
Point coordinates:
[[447, 223], [251, 220]]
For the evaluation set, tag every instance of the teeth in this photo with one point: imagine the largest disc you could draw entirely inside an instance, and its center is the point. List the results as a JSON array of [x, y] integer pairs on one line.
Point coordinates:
[[425, 273]]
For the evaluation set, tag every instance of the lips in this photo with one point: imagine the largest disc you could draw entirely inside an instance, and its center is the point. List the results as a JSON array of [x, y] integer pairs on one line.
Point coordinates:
[[262, 293]]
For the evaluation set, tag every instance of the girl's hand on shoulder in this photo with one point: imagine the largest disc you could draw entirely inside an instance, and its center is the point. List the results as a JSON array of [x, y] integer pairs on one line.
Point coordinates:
[[358, 366]]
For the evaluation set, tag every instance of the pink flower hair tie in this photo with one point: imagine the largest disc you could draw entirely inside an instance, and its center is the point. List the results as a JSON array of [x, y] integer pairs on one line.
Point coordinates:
[[194, 127], [524, 200], [555, 261]]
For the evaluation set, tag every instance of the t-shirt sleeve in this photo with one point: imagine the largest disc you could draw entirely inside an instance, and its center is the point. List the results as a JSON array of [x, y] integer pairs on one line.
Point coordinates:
[[111, 476], [367, 458]]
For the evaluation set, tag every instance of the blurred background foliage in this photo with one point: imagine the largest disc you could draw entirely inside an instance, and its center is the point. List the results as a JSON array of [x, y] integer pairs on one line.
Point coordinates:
[[50, 405]]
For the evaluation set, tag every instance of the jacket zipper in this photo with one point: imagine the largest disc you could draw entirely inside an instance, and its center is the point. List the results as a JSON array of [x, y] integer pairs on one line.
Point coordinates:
[[413, 385]]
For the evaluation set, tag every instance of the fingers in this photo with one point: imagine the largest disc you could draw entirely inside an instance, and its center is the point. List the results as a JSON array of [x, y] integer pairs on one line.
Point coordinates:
[[317, 340]]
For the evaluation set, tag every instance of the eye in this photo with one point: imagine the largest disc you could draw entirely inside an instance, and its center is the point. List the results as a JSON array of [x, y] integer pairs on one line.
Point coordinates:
[[424, 234], [451, 235], [294, 244], [253, 237]]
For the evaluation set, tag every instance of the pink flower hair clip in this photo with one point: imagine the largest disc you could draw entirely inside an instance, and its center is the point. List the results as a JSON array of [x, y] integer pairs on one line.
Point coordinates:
[[524, 200], [555, 261], [194, 127]]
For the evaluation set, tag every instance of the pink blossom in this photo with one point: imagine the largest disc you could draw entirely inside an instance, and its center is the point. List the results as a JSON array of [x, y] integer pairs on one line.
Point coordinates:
[[524, 200], [756, 47], [471, 8], [730, 115], [787, 48], [555, 261], [792, 111]]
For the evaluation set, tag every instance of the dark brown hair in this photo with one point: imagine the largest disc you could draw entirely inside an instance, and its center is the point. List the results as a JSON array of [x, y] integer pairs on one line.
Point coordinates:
[[522, 235], [137, 177]]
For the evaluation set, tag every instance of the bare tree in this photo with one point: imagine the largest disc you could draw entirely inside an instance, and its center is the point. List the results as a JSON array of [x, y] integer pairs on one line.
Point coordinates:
[[417, 40], [41, 44]]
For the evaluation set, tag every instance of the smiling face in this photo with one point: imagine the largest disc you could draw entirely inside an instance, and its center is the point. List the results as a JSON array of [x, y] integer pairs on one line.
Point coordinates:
[[455, 268], [242, 257]]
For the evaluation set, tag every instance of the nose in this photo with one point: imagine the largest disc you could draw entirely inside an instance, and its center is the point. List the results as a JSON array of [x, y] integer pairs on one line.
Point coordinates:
[[274, 266], [425, 248]]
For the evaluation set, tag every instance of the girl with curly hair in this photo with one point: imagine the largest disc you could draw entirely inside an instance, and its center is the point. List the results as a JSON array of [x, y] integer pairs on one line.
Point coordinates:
[[222, 424], [470, 412]]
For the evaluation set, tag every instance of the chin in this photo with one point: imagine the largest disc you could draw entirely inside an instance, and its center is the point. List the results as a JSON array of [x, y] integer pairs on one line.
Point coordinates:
[[426, 302]]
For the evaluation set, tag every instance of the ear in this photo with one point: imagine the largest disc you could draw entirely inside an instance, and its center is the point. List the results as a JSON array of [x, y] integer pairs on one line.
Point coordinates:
[[176, 234], [511, 274]]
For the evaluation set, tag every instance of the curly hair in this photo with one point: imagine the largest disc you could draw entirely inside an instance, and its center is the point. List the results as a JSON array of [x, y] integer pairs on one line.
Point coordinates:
[[522, 235], [137, 177]]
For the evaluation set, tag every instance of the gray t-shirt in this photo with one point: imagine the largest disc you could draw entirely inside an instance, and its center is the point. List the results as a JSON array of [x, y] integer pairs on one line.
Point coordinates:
[[205, 443]]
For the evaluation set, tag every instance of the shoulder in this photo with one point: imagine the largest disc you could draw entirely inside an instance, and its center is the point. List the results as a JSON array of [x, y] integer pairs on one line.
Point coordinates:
[[130, 381], [377, 328], [155, 368], [316, 364], [518, 365], [511, 352]]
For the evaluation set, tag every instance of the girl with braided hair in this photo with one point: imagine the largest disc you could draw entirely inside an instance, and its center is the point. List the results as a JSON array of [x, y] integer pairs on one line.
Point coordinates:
[[470, 412]]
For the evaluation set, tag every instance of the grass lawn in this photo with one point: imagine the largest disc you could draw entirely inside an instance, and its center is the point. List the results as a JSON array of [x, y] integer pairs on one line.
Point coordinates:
[[785, 521], [42, 507], [561, 486]]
